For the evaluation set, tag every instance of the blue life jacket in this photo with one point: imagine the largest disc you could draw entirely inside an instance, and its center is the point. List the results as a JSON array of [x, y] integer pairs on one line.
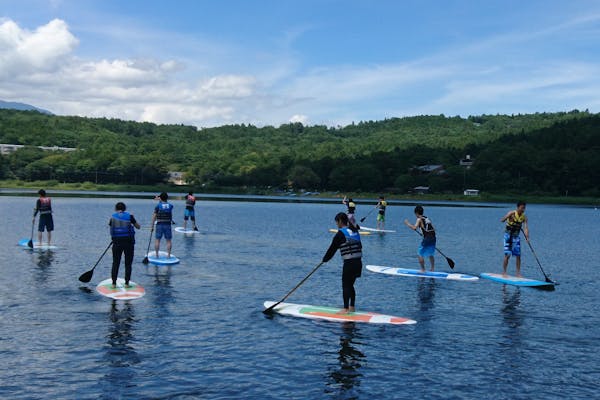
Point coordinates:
[[121, 226], [352, 247], [164, 213]]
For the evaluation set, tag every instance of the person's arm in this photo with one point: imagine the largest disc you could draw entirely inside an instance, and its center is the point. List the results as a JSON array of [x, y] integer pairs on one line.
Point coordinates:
[[345, 201], [154, 217], [507, 216], [134, 222], [525, 227], [38, 204], [336, 242], [415, 226]]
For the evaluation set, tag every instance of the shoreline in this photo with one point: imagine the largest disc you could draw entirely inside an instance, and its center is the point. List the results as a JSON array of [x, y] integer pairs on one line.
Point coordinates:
[[88, 189]]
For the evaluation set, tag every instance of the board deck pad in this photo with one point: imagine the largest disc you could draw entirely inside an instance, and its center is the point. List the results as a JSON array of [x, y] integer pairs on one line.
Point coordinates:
[[333, 314], [37, 245], [162, 258], [515, 281], [361, 232], [120, 292], [418, 274], [180, 229], [376, 230]]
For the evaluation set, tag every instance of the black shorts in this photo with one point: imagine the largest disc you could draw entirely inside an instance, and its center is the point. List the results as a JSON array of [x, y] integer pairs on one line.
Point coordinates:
[[352, 269], [46, 222]]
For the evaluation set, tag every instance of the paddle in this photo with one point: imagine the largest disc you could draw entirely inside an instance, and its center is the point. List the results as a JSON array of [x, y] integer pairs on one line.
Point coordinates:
[[30, 243], [537, 259], [369, 213], [448, 259], [87, 276], [145, 260], [268, 310]]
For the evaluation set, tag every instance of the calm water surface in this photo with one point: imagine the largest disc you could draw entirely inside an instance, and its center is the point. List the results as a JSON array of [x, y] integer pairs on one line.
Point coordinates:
[[199, 332]]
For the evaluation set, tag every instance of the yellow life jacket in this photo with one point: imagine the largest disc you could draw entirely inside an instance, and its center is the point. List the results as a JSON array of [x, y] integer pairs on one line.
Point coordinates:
[[514, 223]]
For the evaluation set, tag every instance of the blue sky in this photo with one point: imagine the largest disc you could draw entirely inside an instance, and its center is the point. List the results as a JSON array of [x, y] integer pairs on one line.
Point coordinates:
[[329, 62]]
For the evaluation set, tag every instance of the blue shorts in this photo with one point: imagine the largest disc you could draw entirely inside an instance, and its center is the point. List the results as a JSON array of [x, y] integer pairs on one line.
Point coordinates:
[[189, 214], [46, 222], [512, 245], [427, 248], [163, 230]]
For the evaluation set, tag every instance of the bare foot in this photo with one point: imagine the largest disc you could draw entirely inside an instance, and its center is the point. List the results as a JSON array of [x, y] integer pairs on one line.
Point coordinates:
[[351, 309], [343, 311]]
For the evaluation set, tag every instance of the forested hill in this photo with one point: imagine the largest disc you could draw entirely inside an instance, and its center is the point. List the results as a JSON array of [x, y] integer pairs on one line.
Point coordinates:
[[548, 153]]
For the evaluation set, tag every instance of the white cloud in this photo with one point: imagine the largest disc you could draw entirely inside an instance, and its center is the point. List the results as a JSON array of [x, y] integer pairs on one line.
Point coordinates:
[[303, 119]]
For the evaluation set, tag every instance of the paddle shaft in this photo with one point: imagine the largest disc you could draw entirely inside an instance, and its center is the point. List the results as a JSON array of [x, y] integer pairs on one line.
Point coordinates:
[[30, 243], [145, 260], [294, 289], [536, 258], [87, 276], [369, 213]]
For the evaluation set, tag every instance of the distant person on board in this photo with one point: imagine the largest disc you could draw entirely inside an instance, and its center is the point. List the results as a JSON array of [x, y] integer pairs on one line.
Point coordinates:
[[189, 213], [427, 247], [349, 203], [44, 207], [381, 206], [347, 240], [516, 221], [163, 216], [122, 232]]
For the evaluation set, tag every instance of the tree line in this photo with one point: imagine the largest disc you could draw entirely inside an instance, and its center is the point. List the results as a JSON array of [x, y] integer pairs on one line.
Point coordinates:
[[545, 153]]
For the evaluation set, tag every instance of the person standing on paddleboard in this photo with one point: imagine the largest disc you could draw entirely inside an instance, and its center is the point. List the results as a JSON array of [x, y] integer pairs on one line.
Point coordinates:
[[347, 240], [516, 221], [44, 207], [427, 247], [348, 202], [381, 206], [163, 216], [123, 241], [189, 213]]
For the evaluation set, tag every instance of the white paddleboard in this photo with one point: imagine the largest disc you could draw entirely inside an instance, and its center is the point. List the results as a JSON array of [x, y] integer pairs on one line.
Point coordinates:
[[120, 292], [36, 245], [516, 281], [162, 258], [364, 228], [417, 273], [333, 314], [181, 229]]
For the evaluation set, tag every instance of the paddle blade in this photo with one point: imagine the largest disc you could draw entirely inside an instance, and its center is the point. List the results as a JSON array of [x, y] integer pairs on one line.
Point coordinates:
[[450, 262], [30, 244], [145, 260], [269, 310], [86, 276]]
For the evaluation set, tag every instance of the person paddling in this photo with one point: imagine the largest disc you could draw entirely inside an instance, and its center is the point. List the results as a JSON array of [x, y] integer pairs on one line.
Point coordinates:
[[381, 206], [44, 207], [349, 203], [123, 241], [427, 247], [347, 240], [189, 213], [516, 221], [163, 215]]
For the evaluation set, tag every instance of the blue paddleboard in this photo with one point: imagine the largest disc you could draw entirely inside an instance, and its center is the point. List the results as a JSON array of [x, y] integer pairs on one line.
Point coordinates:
[[162, 258], [417, 273], [516, 281], [36, 245]]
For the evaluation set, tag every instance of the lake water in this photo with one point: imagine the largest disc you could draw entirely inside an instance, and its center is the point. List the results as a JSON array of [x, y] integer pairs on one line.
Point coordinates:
[[199, 332]]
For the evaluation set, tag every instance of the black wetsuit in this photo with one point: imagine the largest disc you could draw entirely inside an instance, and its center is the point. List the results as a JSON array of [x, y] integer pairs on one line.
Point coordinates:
[[351, 270], [120, 246]]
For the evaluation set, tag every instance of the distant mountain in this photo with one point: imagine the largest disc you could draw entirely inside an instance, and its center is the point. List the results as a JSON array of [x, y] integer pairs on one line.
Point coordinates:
[[22, 107]]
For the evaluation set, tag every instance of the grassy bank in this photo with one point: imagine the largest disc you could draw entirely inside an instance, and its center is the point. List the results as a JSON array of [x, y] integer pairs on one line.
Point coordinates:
[[483, 198]]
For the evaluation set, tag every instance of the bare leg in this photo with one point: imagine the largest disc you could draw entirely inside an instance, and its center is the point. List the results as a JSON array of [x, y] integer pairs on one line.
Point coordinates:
[[169, 244], [505, 264], [49, 237], [156, 246], [518, 262], [432, 262], [40, 237], [422, 263]]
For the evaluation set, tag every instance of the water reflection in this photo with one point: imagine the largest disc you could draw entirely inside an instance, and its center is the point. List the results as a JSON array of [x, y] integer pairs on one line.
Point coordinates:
[[121, 355], [511, 315], [426, 293], [345, 378], [44, 262]]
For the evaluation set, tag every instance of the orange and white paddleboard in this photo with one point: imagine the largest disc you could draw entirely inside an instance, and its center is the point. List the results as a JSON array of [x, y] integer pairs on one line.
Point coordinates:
[[120, 292]]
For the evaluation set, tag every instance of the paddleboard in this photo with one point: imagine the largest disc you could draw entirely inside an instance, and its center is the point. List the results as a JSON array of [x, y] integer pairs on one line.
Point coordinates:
[[332, 314], [162, 258], [417, 273], [516, 281], [36, 245], [364, 228], [120, 292], [363, 233], [181, 229]]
